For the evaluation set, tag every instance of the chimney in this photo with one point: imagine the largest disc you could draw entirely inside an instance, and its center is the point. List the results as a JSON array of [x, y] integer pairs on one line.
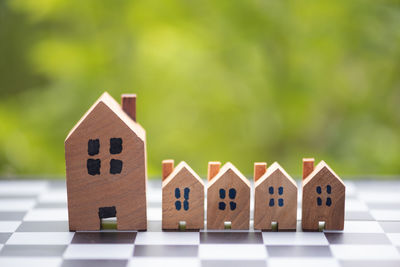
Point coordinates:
[[213, 169], [308, 167], [167, 168], [259, 169], [129, 105]]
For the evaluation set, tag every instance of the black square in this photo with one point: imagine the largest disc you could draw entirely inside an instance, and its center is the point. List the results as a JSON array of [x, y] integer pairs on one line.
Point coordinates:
[[94, 263], [115, 166], [33, 250], [12, 215], [370, 263], [93, 147], [390, 227], [299, 251], [165, 251], [4, 237], [104, 238], [93, 166], [231, 238], [233, 263], [357, 238], [43, 226], [115, 145]]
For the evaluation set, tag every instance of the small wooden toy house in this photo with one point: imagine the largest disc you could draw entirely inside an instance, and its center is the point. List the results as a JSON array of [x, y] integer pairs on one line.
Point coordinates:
[[105, 156], [323, 197], [275, 198], [182, 197], [228, 198]]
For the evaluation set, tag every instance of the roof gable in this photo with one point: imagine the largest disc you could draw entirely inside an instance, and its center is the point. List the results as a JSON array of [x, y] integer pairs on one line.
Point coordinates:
[[181, 167], [275, 167], [113, 106], [322, 167], [228, 167]]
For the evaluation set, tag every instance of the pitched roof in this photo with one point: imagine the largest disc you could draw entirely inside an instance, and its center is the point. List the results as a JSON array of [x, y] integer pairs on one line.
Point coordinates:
[[180, 167], [229, 166], [321, 165], [116, 108], [271, 169]]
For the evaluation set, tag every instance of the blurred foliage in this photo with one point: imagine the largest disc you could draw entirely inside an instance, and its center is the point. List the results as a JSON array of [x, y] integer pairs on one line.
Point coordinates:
[[238, 81]]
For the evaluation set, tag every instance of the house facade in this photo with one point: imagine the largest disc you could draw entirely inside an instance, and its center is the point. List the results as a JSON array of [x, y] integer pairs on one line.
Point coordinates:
[[323, 199], [106, 173], [182, 198]]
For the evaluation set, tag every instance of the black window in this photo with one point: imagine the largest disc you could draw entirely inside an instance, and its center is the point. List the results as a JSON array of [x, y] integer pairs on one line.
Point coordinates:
[[115, 166], [272, 200], [93, 147], [115, 145], [232, 196], [328, 201], [93, 166]]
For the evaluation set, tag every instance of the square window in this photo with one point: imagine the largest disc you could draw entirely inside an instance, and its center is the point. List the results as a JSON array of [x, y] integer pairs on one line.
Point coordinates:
[[93, 166], [115, 166], [115, 145], [93, 147]]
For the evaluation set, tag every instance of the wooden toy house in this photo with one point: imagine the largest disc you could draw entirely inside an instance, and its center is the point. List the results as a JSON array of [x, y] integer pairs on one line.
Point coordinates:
[[182, 197], [275, 197], [228, 198], [105, 156], [323, 197]]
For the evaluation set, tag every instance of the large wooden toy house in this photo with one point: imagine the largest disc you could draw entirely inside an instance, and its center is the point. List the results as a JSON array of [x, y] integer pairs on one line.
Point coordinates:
[[228, 198], [182, 197], [105, 156], [275, 196], [323, 197]]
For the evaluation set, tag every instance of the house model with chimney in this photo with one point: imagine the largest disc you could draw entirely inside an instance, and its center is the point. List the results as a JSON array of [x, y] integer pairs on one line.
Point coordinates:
[[228, 198], [323, 205], [105, 156], [275, 198], [182, 197]]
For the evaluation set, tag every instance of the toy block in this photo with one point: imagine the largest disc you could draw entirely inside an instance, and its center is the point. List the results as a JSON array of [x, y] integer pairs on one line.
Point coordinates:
[[275, 196], [228, 198], [323, 199], [259, 169], [213, 169], [182, 197], [308, 166], [167, 168], [105, 157]]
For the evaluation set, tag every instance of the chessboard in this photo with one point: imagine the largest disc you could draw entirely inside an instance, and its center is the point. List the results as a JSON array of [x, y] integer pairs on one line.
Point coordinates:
[[34, 232]]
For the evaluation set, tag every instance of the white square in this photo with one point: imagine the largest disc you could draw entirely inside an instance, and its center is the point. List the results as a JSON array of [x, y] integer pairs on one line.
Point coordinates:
[[56, 195], [386, 215], [232, 252], [365, 252], [164, 262], [22, 188], [97, 251], [16, 204], [167, 238], [395, 238], [59, 214], [154, 214], [380, 197], [9, 226], [309, 262], [41, 238], [30, 261], [355, 205], [359, 227], [295, 238]]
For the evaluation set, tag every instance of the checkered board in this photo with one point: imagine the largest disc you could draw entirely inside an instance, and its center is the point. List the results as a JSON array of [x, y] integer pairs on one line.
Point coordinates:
[[34, 232]]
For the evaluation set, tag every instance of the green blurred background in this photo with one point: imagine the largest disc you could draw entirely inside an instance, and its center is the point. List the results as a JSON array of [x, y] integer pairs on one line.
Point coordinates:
[[238, 81]]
